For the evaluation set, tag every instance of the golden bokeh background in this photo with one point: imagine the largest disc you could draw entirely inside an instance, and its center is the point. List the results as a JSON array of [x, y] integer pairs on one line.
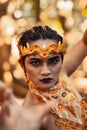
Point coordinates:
[[67, 17]]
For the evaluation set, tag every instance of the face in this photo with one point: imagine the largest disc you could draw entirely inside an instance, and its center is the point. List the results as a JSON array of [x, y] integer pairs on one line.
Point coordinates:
[[44, 73]]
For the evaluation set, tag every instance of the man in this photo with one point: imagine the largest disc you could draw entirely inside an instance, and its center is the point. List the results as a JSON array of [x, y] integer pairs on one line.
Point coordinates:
[[41, 56]]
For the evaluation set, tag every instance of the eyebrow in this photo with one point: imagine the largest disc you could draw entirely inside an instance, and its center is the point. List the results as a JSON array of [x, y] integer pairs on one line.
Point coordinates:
[[32, 58], [49, 57], [56, 56]]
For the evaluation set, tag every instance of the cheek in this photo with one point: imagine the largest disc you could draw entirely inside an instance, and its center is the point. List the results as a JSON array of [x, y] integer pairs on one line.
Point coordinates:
[[56, 70], [32, 72]]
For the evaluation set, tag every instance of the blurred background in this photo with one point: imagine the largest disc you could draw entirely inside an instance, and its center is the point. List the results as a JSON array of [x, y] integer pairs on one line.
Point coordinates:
[[67, 17]]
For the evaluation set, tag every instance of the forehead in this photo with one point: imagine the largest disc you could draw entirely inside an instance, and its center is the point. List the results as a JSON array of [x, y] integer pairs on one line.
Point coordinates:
[[43, 42]]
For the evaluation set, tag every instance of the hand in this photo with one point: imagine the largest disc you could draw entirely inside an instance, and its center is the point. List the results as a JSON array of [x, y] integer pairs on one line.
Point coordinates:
[[16, 117], [5, 95]]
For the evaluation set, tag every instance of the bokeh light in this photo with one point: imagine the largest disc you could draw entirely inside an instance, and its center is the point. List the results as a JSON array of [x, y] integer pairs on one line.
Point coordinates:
[[7, 25], [3, 1], [6, 66], [7, 77]]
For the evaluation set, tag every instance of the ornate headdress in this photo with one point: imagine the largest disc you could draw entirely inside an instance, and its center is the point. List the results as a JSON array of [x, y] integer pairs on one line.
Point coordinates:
[[43, 51]]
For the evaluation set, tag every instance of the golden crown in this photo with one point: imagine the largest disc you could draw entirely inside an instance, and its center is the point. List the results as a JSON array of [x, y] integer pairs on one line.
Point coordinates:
[[43, 51]]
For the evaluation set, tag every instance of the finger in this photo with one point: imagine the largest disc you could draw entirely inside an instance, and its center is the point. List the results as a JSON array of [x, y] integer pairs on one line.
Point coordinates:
[[6, 93], [5, 111], [2, 87], [6, 116]]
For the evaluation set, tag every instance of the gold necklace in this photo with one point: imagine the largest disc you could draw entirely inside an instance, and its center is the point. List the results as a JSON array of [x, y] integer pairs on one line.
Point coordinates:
[[69, 109]]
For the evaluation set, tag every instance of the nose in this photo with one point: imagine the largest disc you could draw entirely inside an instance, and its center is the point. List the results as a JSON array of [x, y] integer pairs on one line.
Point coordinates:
[[45, 70]]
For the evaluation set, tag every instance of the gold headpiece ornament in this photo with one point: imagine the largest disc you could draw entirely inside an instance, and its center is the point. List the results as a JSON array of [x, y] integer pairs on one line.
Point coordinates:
[[43, 51]]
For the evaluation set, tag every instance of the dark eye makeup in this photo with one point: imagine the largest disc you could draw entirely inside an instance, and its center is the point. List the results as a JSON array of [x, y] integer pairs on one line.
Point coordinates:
[[38, 61], [35, 62], [54, 60]]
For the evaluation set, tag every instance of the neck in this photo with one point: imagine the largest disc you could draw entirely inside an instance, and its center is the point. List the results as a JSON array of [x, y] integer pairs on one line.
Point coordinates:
[[31, 99], [36, 95]]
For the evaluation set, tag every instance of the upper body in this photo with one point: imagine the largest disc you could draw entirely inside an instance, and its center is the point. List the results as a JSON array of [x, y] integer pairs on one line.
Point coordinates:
[[42, 59]]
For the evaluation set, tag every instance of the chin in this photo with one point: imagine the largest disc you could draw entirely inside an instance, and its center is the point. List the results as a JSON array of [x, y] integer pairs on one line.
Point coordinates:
[[46, 86]]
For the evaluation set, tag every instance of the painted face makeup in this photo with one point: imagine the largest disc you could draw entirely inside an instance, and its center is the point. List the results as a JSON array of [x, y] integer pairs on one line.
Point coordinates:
[[43, 73], [43, 62]]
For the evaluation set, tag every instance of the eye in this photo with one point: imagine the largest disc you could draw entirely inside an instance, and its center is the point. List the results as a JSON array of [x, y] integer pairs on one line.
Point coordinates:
[[53, 61], [36, 62]]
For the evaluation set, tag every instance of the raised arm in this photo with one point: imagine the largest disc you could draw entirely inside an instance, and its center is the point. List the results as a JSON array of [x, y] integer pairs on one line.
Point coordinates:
[[75, 56]]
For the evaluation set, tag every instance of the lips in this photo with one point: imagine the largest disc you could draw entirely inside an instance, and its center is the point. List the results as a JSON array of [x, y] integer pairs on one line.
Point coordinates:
[[46, 80]]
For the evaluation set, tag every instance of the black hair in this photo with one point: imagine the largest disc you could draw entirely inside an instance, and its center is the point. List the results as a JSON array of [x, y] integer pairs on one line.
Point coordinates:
[[39, 32]]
